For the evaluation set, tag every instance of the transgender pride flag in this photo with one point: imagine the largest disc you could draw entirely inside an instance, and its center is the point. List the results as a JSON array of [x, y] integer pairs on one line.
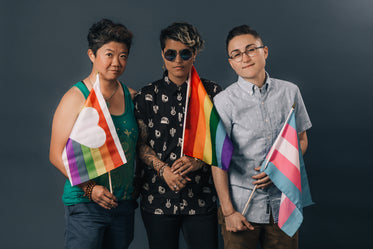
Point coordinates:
[[205, 137], [287, 171], [93, 147]]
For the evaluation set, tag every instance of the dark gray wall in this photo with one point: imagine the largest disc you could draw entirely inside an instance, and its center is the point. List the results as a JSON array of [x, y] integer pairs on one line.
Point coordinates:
[[324, 46]]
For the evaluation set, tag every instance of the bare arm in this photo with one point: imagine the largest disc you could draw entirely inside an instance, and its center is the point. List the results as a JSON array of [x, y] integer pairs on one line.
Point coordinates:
[[234, 220], [63, 122], [303, 140]]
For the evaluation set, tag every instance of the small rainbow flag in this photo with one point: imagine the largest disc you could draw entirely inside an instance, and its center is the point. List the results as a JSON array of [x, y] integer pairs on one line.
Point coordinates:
[[287, 171], [205, 137], [93, 147]]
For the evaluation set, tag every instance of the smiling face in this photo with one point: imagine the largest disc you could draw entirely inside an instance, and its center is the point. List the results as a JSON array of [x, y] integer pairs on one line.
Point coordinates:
[[251, 68], [178, 69], [110, 60]]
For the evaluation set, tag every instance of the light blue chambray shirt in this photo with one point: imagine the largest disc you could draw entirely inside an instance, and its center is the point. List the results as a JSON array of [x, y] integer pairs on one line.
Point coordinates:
[[253, 118]]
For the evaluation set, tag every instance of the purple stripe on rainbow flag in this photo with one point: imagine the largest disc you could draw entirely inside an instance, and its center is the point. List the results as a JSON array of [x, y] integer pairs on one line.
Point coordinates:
[[227, 153], [74, 173], [82, 166]]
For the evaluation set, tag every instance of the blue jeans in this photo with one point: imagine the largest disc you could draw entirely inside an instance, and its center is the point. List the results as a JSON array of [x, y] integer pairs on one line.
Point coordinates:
[[89, 226]]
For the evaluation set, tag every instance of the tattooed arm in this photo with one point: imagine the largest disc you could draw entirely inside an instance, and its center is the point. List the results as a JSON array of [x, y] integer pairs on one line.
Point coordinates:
[[175, 181], [145, 152]]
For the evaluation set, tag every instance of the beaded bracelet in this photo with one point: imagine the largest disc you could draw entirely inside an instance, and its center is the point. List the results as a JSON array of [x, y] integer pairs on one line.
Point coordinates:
[[88, 190]]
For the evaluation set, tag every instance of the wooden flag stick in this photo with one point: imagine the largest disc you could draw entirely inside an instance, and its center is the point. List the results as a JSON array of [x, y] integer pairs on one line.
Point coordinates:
[[248, 201], [186, 111], [111, 187]]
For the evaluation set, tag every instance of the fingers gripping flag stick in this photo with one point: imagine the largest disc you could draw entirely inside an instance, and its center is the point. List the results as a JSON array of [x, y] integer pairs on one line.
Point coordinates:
[[285, 167], [93, 147]]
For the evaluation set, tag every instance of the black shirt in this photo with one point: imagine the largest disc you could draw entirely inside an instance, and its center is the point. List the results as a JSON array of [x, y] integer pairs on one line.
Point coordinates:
[[160, 105]]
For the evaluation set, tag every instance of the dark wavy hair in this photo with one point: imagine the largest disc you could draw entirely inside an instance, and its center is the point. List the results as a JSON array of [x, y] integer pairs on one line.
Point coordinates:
[[105, 31], [184, 33], [241, 30]]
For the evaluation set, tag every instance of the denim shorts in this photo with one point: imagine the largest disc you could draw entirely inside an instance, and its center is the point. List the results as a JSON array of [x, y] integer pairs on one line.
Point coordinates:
[[89, 226]]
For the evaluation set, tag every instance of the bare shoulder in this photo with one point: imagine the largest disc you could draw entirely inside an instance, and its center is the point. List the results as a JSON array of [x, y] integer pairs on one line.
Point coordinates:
[[70, 104], [133, 92]]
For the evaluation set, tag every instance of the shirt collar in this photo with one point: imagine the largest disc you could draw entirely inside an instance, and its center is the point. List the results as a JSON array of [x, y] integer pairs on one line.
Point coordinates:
[[171, 86], [250, 88]]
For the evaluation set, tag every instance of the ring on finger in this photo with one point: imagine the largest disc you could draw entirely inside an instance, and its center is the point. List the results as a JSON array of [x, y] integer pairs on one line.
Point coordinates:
[[181, 180], [175, 186]]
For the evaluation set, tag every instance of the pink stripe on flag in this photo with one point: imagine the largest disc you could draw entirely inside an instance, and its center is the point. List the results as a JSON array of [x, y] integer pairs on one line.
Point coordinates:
[[287, 168], [290, 134], [286, 209]]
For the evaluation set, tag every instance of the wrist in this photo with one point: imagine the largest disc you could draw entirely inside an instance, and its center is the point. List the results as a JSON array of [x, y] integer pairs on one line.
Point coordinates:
[[88, 188], [226, 215], [161, 170], [199, 162]]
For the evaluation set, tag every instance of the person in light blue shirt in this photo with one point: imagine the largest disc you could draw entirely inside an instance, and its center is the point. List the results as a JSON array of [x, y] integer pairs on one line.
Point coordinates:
[[253, 111]]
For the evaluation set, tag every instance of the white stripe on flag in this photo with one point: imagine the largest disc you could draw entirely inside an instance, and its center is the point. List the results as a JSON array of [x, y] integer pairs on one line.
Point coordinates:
[[288, 151]]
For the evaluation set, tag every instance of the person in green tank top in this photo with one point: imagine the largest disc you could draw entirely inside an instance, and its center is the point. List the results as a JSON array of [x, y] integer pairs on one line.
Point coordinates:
[[94, 217]]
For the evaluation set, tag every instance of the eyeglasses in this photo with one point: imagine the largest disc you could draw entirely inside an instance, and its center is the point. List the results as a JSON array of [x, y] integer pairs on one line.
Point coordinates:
[[171, 54], [249, 51]]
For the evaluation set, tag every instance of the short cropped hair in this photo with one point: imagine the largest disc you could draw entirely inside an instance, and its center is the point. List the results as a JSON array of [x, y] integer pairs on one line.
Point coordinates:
[[184, 33], [105, 31], [241, 30]]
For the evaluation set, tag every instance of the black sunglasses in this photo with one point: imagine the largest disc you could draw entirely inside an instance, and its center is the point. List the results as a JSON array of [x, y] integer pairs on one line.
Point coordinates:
[[171, 54]]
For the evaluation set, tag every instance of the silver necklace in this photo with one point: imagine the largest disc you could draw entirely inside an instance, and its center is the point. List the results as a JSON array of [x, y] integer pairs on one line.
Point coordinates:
[[108, 98]]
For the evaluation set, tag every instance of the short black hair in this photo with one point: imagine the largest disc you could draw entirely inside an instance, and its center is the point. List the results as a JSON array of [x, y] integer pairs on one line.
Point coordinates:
[[184, 33], [105, 31], [241, 30]]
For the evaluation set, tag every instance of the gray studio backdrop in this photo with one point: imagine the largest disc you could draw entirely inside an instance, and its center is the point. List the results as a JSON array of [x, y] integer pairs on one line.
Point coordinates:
[[324, 46]]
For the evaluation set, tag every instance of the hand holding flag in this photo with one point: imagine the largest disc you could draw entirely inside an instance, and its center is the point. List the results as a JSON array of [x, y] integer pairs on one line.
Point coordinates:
[[285, 167]]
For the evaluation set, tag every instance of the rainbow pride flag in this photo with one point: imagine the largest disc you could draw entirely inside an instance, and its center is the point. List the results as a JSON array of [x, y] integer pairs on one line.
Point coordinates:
[[93, 147], [285, 166], [205, 137]]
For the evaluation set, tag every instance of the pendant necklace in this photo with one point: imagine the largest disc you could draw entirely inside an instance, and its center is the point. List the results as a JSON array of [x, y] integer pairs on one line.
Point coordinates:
[[108, 98]]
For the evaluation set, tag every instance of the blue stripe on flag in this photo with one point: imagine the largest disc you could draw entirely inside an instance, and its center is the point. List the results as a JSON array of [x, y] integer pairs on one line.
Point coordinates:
[[219, 140], [284, 184], [82, 169], [293, 222]]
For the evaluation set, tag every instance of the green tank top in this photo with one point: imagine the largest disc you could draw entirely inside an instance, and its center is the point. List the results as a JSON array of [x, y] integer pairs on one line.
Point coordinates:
[[121, 177]]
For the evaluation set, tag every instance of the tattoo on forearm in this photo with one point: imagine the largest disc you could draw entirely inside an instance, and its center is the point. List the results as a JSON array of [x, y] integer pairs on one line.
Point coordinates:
[[146, 153]]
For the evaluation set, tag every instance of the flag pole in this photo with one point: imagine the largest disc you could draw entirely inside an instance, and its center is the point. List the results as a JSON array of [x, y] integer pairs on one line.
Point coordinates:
[[186, 111], [269, 157], [111, 186]]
